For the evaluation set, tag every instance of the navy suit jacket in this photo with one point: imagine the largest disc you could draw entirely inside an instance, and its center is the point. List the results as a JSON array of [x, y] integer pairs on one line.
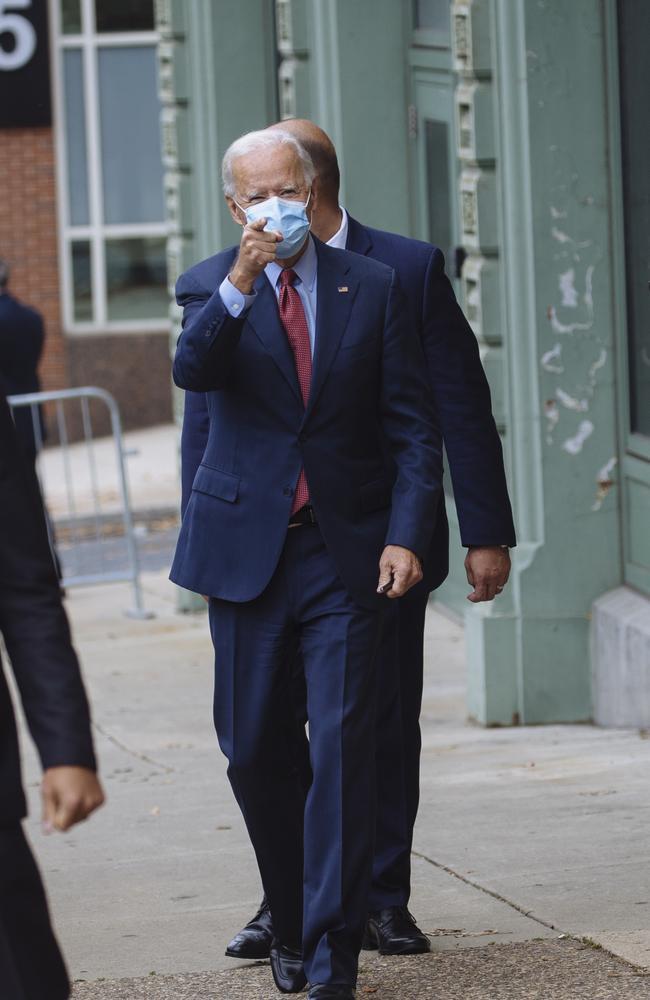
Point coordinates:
[[368, 390], [35, 630], [21, 344], [461, 396]]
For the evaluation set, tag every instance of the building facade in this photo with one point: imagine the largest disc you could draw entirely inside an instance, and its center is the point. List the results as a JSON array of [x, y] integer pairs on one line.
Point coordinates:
[[511, 133], [82, 216]]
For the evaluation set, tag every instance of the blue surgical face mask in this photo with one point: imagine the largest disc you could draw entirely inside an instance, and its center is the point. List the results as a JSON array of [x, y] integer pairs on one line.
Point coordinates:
[[287, 217]]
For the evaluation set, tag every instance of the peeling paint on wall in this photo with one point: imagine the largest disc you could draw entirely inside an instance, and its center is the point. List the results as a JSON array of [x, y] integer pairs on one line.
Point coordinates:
[[548, 360], [578, 405], [588, 300], [552, 414], [597, 365], [604, 482], [574, 445], [568, 289]]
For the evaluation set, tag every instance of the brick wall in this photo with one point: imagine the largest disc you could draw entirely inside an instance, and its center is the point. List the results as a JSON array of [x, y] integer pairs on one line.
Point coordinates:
[[28, 236], [133, 367]]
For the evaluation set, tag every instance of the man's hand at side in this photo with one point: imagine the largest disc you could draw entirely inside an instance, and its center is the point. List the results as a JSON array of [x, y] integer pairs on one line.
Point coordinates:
[[402, 567], [70, 795], [488, 569], [256, 250]]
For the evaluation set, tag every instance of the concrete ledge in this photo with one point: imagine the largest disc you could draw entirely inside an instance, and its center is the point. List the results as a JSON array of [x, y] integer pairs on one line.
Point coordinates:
[[620, 657]]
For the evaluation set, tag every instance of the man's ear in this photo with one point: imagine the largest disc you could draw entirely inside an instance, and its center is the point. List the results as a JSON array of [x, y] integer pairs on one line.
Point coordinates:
[[313, 198], [235, 211]]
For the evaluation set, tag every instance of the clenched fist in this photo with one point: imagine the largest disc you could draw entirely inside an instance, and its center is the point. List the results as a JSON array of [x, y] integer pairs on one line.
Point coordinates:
[[70, 795], [256, 250], [399, 570]]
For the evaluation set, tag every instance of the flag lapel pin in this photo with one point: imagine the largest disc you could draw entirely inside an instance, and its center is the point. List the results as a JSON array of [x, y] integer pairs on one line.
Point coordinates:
[[342, 288]]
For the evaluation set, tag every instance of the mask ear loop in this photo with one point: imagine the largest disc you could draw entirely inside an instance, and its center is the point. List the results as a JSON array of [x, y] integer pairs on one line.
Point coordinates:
[[242, 210]]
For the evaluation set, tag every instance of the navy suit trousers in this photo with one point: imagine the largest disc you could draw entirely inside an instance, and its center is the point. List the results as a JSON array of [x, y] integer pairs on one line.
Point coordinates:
[[314, 849], [398, 743], [31, 966]]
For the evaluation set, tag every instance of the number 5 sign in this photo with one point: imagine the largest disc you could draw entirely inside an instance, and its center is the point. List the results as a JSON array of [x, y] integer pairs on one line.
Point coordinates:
[[24, 64]]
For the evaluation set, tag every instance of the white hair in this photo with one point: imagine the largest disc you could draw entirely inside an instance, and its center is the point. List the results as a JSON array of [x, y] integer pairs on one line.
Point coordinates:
[[263, 139]]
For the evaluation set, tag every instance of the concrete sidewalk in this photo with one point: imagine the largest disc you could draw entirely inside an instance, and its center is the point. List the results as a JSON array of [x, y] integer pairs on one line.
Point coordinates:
[[524, 835]]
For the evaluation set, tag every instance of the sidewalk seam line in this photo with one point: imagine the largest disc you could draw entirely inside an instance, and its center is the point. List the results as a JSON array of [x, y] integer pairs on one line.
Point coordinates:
[[133, 753], [490, 892]]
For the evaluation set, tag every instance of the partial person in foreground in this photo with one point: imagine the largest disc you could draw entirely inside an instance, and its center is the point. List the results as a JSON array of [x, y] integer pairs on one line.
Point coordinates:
[[22, 337], [461, 396], [302, 532], [37, 638]]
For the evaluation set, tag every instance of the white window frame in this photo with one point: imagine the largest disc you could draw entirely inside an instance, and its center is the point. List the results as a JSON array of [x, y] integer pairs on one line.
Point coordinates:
[[88, 42]]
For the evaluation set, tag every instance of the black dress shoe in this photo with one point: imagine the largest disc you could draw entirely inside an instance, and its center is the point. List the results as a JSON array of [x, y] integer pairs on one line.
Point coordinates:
[[255, 940], [331, 993], [393, 931], [287, 968]]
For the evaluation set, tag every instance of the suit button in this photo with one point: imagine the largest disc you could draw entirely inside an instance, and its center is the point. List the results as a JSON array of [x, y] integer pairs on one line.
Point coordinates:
[[287, 491]]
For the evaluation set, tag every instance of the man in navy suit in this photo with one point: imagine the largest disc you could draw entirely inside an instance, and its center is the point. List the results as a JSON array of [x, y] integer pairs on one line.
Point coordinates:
[[312, 507], [462, 400], [36, 634]]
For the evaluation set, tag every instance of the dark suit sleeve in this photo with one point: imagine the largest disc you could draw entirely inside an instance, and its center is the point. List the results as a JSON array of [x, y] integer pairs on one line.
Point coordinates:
[[208, 339], [462, 398], [194, 437], [411, 430], [32, 619]]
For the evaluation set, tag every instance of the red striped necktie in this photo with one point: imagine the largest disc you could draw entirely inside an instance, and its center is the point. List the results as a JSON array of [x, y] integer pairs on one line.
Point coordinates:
[[294, 322]]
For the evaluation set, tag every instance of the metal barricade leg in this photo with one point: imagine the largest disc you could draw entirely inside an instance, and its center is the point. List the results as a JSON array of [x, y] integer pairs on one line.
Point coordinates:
[[34, 400]]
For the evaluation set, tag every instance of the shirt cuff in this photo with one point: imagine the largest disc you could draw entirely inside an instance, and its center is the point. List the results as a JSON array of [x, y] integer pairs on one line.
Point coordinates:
[[235, 301]]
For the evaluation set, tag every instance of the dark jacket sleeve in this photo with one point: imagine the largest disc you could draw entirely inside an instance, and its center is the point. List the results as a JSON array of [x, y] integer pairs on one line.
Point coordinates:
[[411, 430], [208, 339], [194, 437], [32, 619], [462, 398]]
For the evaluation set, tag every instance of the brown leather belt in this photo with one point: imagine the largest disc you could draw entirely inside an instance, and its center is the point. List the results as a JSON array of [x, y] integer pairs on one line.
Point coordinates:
[[305, 515]]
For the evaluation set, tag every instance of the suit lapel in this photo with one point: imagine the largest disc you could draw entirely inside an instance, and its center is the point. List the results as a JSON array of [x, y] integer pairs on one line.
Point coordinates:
[[335, 294], [359, 239], [264, 317]]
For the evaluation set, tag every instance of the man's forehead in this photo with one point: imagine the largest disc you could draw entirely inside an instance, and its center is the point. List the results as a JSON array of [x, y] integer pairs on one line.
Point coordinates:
[[268, 166]]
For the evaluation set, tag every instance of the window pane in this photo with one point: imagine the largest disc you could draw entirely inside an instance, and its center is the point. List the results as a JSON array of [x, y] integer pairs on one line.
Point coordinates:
[[634, 30], [136, 278], [75, 134], [439, 193], [432, 15], [124, 15], [81, 282], [130, 135], [71, 17]]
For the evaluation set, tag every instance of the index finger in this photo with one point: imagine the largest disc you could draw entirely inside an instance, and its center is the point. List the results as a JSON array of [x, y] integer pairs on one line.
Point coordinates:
[[258, 225]]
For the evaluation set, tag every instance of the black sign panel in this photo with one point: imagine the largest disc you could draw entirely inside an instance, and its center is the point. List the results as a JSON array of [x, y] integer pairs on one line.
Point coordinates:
[[24, 64]]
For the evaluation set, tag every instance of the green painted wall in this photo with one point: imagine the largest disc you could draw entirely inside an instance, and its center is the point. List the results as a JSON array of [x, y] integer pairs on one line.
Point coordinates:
[[529, 655], [358, 88]]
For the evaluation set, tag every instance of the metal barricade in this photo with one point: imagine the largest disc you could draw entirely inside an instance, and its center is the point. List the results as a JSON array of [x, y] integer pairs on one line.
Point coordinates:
[[85, 395]]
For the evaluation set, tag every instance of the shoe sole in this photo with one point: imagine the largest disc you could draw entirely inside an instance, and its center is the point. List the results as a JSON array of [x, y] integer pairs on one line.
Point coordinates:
[[407, 950], [371, 943], [249, 956]]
